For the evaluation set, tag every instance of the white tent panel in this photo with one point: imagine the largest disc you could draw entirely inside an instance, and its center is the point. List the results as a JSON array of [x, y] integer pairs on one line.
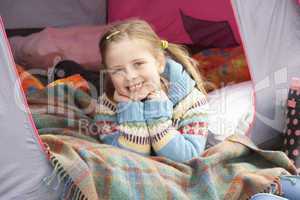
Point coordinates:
[[270, 30], [23, 161]]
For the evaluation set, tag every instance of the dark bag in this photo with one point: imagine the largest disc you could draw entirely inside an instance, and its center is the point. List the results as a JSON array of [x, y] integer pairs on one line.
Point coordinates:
[[291, 142]]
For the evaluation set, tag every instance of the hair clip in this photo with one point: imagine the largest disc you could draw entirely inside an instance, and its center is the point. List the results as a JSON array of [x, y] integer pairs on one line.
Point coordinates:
[[164, 44], [112, 34]]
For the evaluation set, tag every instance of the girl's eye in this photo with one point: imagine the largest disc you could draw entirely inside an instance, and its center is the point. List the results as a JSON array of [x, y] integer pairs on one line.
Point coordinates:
[[116, 71], [138, 64]]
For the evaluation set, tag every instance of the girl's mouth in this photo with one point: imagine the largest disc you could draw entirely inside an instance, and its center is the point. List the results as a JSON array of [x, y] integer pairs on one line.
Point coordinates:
[[135, 87]]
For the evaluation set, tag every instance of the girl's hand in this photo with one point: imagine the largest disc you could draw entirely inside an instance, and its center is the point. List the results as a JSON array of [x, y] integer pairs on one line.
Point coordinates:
[[120, 98], [157, 95]]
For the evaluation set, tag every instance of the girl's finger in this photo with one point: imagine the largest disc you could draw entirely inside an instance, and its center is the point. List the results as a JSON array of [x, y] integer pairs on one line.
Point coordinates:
[[120, 98], [153, 95]]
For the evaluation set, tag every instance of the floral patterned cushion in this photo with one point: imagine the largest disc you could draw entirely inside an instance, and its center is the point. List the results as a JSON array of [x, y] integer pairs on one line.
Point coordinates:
[[221, 67]]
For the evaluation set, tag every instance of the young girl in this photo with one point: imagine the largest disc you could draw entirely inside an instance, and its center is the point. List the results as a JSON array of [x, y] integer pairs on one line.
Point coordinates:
[[157, 105], [158, 99]]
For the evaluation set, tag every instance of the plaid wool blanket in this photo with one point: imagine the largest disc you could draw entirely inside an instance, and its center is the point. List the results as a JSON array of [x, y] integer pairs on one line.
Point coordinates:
[[233, 169]]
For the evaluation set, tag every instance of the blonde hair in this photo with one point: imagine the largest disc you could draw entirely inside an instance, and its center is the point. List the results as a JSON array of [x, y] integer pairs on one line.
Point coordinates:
[[139, 29]]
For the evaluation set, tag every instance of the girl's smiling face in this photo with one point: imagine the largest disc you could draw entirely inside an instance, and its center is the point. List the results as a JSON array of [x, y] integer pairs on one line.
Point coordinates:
[[133, 68]]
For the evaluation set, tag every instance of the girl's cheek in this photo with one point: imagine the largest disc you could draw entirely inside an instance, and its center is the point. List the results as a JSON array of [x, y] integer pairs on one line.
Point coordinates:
[[117, 83], [123, 91]]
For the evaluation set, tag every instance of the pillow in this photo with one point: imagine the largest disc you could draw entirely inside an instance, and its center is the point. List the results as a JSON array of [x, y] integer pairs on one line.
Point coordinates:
[[232, 111], [220, 67], [48, 47], [166, 18]]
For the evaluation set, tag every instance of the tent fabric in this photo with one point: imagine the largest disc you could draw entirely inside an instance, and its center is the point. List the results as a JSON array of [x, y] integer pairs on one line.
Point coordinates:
[[208, 34], [42, 13], [270, 31], [165, 15], [23, 161]]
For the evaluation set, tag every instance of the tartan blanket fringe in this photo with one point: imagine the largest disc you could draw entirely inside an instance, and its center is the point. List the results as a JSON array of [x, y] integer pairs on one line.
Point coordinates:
[[70, 189]]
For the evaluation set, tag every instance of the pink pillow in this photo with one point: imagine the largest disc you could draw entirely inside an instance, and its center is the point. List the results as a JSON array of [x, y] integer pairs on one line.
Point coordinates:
[[46, 48], [165, 15]]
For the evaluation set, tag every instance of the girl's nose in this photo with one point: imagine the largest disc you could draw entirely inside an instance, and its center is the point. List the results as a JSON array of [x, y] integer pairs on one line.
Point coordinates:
[[131, 74]]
